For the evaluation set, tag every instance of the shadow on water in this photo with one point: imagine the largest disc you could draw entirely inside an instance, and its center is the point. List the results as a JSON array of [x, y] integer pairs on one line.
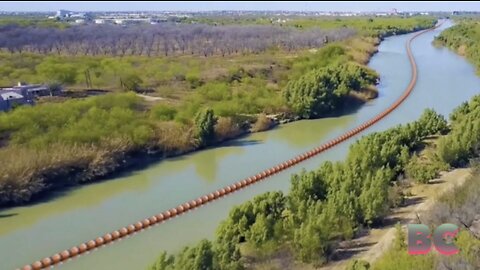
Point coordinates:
[[238, 143], [351, 105], [7, 215]]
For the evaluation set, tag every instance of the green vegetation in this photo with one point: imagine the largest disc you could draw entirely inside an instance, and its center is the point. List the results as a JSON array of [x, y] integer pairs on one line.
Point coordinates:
[[370, 26], [322, 90], [205, 125], [464, 38], [33, 21], [463, 141]]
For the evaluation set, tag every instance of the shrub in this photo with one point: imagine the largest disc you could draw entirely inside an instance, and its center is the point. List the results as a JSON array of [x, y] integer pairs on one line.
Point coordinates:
[[226, 128], [262, 123]]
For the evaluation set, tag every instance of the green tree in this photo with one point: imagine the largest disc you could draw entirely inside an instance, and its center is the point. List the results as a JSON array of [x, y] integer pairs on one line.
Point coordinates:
[[205, 121], [432, 122], [131, 82], [164, 262]]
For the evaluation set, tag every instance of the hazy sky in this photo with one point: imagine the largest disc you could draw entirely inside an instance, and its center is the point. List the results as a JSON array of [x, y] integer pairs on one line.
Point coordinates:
[[205, 6]]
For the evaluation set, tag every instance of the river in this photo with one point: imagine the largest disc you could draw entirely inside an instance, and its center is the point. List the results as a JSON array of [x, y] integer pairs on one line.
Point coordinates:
[[82, 213]]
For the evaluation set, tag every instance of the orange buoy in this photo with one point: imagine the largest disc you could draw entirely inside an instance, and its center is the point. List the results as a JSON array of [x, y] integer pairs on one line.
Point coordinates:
[[233, 187], [138, 226], [160, 217], [131, 228], [91, 244], [107, 237], [153, 220], [199, 201], [250, 180], [243, 183], [186, 206], [82, 248], [74, 251], [222, 191], [211, 197], [46, 262], [56, 258], [65, 254], [99, 241], [123, 231], [228, 189], [37, 265], [173, 211], [145, 223], [193, 203], [28, 267], [205, 198], [180, 209]]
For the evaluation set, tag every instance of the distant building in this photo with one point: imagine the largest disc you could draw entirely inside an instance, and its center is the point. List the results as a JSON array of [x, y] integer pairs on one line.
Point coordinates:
[[11, 99], [3, 104], [32, 90], [63, 14], [79, 21], [99, 21]]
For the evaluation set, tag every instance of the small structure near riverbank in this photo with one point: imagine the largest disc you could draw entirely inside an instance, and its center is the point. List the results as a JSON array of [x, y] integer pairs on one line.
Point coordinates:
[[23, 93]]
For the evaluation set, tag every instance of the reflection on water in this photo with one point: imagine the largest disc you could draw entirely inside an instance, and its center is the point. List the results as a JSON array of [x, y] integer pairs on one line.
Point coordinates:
[[305, 133]]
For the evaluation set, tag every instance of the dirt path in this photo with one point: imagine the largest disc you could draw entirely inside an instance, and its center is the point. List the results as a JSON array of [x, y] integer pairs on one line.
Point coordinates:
[[372, 245]]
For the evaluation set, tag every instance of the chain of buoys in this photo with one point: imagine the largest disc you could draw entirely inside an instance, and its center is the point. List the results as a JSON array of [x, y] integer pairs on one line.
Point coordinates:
[[100, 241]]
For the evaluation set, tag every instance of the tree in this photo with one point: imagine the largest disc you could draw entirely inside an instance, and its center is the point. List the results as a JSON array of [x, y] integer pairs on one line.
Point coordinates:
[[374, 197], [320, 90], [205, 121], [131, 82], [432, 122], [164, 262], [310, 243]]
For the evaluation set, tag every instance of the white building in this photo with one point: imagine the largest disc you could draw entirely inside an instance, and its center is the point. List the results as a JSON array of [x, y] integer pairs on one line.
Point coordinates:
[[99, 21]]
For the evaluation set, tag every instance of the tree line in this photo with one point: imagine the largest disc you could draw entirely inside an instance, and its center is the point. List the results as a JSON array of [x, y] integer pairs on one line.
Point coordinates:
[[163, 39]]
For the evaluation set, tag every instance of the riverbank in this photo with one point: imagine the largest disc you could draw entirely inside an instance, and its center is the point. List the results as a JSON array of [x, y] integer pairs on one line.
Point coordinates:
[[25, 183], [82, 148]]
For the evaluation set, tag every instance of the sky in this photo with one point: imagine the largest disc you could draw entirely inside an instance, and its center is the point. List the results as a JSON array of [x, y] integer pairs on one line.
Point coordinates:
[[245, 5]]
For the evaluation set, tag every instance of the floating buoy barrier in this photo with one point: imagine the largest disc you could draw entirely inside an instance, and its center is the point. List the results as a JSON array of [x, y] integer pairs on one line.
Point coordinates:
[[147, 222]]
